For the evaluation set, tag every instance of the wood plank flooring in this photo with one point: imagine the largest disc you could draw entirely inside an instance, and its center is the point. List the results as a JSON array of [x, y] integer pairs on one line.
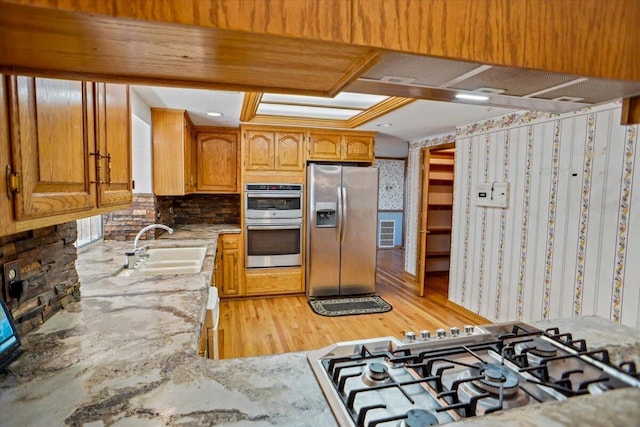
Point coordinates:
[[263, 326]]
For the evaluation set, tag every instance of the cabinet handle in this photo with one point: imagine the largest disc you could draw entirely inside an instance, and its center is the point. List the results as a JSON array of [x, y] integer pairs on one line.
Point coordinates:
[[14, 181], [108, 157], [97, 156]]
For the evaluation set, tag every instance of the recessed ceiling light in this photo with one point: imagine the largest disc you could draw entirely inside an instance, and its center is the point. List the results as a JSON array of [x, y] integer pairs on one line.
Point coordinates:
[[214, 114], [384, 125], [470, 97]]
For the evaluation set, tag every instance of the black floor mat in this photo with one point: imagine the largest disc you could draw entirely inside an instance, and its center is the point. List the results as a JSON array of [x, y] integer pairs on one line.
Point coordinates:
[[346, 306]]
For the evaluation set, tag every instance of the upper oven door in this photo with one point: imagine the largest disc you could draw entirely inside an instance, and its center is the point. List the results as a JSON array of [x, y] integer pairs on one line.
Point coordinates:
[[259, 205]]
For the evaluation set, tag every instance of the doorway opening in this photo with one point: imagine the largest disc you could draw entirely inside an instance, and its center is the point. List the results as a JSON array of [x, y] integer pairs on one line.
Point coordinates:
[[436, 211]]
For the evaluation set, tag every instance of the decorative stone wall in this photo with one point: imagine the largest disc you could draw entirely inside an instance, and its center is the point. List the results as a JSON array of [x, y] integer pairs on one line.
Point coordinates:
[[171, 211], [199, 209], [125, 224], [47, 265], [164, 210]]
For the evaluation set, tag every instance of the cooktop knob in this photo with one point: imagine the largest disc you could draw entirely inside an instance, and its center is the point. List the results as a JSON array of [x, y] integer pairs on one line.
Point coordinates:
[[409, 336], [441, 333], [455, 331], [425, 335], [468, 329]]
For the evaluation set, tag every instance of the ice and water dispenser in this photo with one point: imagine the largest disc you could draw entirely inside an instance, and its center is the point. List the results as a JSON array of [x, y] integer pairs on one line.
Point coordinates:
[[326, 214]]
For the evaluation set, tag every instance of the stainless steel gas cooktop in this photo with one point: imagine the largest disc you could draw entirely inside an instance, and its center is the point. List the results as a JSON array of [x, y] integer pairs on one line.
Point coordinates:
[[425, 380]]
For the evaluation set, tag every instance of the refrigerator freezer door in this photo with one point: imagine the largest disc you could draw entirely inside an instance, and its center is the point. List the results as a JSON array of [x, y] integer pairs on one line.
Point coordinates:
[[358, 255], [323, 243]]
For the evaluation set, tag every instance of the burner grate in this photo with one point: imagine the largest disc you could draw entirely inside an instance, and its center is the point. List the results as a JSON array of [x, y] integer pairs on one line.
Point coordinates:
[[379, 382]]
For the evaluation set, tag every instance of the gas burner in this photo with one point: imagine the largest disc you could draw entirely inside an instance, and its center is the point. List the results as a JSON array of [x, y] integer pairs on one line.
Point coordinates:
[[495, 377], [419, 418], [376, 373], [536, 350]]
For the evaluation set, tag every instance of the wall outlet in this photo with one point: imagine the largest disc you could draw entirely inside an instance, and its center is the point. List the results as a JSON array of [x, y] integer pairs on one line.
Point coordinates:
[[11, 280], [492, 194]]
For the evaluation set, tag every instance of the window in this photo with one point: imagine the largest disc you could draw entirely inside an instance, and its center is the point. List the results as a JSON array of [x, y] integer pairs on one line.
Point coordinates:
[[89, 230]]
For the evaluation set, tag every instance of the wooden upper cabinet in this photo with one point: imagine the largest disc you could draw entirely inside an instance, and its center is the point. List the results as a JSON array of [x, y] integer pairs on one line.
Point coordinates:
[[289, 151], [357, 147], [341, 146], [217, 162], [259, 150], [274, 149], [172, 152], [325, 146], [113, 135], [53, 155]]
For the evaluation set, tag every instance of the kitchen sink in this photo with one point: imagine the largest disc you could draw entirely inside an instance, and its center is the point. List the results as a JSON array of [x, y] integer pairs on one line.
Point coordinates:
[[177, 260]]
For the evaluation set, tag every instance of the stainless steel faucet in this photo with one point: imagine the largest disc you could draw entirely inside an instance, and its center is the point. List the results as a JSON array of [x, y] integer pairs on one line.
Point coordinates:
[[132, 256]]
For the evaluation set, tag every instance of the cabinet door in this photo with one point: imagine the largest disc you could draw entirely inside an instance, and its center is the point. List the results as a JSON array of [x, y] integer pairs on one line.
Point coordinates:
[[324, 146], [52, 144], [228, 265], [113, 132], [230, 272], [168, 152], [357, 148], [289, 148], [217, 162], [260, 150]]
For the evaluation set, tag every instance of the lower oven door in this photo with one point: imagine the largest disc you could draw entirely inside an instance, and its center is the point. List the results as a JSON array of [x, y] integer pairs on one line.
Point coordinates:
[[269, 245]]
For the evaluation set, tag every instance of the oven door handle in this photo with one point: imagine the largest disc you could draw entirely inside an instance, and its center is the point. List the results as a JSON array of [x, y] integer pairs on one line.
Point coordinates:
[[274, 195], [275, 227]]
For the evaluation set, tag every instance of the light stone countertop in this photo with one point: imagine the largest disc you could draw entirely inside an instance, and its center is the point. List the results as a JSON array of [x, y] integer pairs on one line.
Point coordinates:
[[125, 355]]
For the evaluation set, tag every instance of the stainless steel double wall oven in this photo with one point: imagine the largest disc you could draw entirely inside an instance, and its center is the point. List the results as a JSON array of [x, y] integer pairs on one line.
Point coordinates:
[[273, 225]]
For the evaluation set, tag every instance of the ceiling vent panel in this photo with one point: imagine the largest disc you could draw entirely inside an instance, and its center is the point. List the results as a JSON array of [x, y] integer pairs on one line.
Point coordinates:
[[594, 91], [426, 71], [515, 82]]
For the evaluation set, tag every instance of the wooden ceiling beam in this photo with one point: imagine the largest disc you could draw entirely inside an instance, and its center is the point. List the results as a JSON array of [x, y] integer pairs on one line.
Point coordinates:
[[309, 46]]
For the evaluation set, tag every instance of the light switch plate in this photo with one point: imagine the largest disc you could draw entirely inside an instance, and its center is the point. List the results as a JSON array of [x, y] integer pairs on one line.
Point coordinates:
[[11, 273], [492, 194]]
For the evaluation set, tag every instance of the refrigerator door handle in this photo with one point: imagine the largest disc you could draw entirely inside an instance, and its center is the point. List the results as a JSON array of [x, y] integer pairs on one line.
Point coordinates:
[[344, 213], [340, 215]]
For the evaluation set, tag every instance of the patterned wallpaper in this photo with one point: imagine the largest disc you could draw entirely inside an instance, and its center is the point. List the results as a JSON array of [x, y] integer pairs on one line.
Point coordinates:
[[391, 188], [562, 246], [565, 245]]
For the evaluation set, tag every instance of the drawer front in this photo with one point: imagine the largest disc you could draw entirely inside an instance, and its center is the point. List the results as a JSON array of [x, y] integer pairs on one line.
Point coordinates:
[[230, 242], [281, 281]]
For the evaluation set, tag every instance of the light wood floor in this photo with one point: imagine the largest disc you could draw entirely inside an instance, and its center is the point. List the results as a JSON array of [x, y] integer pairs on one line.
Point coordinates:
[[262, 326]]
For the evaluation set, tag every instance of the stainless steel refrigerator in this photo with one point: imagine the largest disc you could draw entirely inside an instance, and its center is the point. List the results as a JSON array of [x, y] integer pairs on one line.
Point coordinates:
[[342, 209]]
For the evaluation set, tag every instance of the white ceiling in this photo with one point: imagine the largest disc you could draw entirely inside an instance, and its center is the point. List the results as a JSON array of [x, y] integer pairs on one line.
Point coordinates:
[[409, 123]]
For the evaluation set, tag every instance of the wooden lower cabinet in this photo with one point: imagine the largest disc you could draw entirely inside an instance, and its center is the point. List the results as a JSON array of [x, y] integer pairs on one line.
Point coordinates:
[[229, 264], [273, 281], [232, 280]]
